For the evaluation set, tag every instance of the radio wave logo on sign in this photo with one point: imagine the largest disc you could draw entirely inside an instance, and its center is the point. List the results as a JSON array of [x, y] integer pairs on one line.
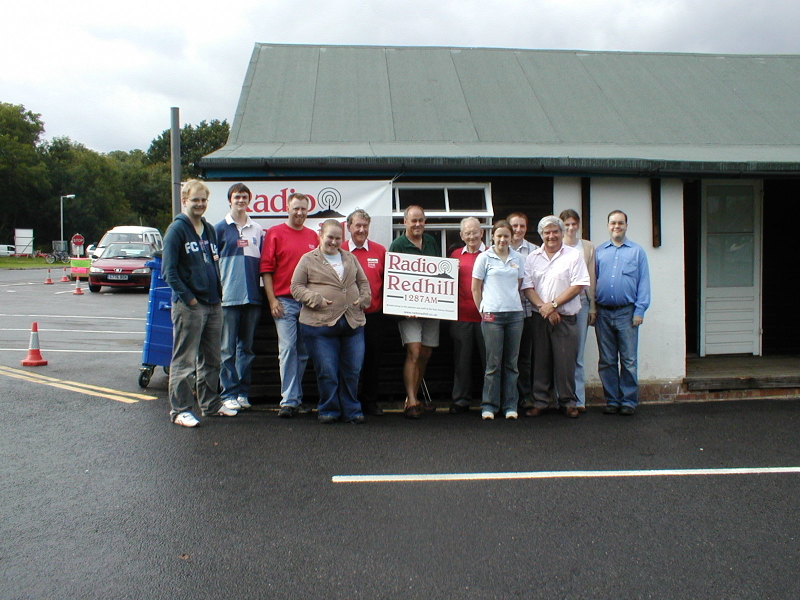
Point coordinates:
[[328, 200], [444, 269]]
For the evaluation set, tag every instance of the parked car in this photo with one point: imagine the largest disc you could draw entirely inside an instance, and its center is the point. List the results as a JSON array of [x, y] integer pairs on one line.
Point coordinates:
[[125, 233], [6, 250], [122, 265]]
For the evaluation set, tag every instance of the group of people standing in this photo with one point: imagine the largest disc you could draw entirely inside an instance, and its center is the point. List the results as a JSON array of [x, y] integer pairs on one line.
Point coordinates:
[[525, 310]]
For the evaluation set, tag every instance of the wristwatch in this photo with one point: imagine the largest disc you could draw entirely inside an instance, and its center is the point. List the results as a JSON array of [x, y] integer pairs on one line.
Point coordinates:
[[555, 304]]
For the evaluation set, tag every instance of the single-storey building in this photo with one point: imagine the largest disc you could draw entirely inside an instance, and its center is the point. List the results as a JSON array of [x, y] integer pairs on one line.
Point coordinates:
[[702, 151]]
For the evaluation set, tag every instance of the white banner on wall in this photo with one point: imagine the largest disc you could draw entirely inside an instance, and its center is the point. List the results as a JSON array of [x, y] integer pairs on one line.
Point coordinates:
[[329, 200], [420, 286]]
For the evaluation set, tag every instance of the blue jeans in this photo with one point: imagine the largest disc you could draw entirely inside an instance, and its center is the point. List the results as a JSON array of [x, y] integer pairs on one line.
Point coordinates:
[[583, 329], [618, 343], [292, 354], [338, 353], [501, 338], [238, 327]]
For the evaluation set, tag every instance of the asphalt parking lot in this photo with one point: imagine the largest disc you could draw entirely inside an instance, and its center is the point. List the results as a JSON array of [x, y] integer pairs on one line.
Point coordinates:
[[102, 497]]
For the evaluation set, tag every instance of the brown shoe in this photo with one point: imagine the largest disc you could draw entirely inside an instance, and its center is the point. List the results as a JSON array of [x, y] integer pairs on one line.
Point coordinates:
[[535, 412], [413, 412], [581, 409], [571, 413]]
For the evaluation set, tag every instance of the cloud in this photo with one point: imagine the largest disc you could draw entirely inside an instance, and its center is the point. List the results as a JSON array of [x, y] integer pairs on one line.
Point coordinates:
[[106, 74]]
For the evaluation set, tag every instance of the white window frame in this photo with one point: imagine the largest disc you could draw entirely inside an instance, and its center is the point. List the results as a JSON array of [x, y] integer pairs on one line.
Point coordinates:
[[454, 216]]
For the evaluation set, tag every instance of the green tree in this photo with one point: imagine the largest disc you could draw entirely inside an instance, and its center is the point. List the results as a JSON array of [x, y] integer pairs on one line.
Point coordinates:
[[96, 180], [196, 142], [24, 177]]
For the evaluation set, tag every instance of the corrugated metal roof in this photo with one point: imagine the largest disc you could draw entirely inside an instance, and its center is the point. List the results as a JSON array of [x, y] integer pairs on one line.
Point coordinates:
[[396, 107]]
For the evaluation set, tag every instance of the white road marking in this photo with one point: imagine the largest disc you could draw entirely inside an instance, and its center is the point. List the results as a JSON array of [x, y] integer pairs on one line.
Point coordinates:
[[556, 475], [47, 350], [46, 329], [52, 316]]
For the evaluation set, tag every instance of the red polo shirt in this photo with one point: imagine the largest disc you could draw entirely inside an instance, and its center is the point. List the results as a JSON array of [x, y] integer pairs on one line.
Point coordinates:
[[282, 250], [467, 311], [372, 258]]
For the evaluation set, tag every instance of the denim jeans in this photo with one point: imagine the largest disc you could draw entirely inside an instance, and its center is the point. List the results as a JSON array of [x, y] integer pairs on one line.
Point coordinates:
[[583, 330], [466, 336], [238, 327], [196, 332], [292, 354], [338, 353], [555, 347], [501, 338], [618, 343]]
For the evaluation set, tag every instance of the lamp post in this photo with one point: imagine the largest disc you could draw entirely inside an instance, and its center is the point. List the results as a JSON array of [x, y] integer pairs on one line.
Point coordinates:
[[62, 215]]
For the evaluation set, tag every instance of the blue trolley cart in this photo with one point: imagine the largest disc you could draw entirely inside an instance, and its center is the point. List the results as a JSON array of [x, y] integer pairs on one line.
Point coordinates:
[[157, 350]]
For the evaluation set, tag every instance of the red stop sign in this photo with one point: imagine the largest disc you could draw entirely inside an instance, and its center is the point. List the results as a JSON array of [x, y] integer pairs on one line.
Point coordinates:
[[77, 239]]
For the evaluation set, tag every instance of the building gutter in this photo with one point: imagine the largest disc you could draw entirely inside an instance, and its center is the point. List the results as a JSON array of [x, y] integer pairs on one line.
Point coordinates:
[[511, 166]]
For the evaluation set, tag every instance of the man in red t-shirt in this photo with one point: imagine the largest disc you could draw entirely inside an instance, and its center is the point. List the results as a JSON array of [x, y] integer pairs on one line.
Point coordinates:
[[372, 257], [284, 244], [466, 332]]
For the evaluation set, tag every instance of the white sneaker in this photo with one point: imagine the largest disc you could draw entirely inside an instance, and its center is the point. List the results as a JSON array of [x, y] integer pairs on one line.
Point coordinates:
[[487, 415], [186, 419], [511, 414], [223, 411], [244, 403], [232, 404]]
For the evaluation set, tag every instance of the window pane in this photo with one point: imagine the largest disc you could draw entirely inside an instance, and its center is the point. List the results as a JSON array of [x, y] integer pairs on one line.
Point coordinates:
[[466, 199], [730, 260], [730, 209], [429, 199]]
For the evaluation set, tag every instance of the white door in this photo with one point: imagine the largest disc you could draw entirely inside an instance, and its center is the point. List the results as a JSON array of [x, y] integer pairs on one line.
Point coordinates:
[[730, 268]]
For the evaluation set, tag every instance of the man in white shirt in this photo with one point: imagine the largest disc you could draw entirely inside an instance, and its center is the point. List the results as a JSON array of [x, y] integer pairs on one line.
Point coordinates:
[[555, 275]]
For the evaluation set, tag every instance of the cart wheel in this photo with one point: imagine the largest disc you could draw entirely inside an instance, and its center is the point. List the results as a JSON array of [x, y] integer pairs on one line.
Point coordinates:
[[166, 370], [144, 377]]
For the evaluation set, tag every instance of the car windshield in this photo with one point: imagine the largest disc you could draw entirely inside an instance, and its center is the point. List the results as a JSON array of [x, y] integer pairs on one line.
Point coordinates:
[[128, 251]]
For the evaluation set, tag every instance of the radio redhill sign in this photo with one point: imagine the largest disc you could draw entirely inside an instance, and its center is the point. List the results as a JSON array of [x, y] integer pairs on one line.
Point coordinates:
[[421, 286]]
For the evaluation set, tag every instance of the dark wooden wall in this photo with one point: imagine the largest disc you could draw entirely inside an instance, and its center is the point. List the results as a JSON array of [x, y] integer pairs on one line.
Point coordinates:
[[530, 195]]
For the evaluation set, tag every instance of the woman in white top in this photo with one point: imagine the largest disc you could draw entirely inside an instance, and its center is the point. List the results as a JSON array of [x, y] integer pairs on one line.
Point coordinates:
[[496, 277], [572, 224]]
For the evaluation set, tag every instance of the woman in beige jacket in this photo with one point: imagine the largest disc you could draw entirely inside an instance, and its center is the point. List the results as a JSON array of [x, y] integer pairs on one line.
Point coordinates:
[[334, 291]]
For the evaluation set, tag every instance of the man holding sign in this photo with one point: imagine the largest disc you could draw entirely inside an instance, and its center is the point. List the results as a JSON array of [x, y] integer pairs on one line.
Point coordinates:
[[420, 336]]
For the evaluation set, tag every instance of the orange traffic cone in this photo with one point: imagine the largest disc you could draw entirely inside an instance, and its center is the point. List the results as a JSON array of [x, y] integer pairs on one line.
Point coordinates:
[[48, 281], [78, 291], [64, 278], [34, 358]]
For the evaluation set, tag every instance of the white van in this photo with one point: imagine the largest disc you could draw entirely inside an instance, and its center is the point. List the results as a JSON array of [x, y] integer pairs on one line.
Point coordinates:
[[126, 233]]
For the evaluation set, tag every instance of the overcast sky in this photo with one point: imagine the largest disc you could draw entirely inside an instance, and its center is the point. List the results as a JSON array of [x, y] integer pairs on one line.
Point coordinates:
[[106, 73]]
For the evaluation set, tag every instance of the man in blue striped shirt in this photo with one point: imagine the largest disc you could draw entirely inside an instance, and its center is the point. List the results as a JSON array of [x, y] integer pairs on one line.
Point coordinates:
[[622, 297], [240, 240]]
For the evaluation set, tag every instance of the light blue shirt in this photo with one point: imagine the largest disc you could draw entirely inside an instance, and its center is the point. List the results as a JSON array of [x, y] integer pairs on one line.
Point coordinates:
[[623, 276], [500, 281]]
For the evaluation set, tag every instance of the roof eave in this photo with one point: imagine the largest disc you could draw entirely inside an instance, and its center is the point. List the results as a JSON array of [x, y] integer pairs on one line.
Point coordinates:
[[533, 165]]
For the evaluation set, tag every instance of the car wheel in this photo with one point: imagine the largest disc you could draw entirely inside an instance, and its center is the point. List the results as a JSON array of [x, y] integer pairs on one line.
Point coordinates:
[[94, 288]]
